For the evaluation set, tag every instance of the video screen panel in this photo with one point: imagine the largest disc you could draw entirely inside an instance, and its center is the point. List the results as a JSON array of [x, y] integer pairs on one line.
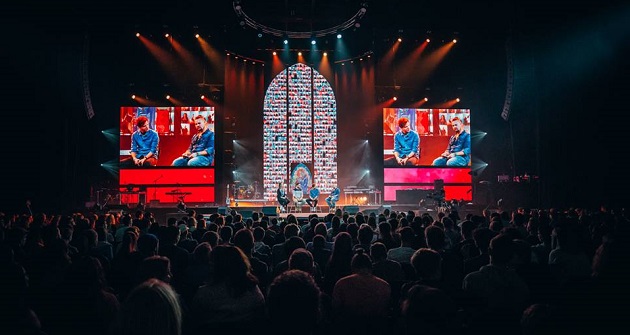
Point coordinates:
[[175, 136], [426, 138]]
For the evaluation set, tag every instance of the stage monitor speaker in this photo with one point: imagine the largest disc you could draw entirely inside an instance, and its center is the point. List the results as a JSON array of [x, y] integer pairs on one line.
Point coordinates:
[[352, 209], [270, 210], [114, 207], [222, 210], [246, 214], [367, 212]]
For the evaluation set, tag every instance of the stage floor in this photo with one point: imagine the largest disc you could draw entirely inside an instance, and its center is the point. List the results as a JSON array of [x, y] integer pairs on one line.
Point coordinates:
[[164, 210]]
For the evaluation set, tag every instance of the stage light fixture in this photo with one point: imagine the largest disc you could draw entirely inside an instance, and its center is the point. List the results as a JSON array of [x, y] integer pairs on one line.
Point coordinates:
[[338, 36], [428, 40], [454, 40], [286, 42], [300, 53], [202, 97], [325, 54], [259, 35], [133, 96], [457, 100], [137, 34], [395, 98], [399, 39], [274, 53], [196, 35], [367, 171], [426, 99], [168, 97], [313, 42], [167, 35]]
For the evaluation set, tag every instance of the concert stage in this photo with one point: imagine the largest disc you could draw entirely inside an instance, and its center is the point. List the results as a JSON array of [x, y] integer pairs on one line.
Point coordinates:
[[163, 211]]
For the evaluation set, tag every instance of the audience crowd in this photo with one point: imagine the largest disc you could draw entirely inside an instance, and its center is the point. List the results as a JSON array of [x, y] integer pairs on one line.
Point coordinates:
[[495, 272]]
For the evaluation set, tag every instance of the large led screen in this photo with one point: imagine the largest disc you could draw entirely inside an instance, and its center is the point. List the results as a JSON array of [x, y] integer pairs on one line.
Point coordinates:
[[426, 138], [167, 136]]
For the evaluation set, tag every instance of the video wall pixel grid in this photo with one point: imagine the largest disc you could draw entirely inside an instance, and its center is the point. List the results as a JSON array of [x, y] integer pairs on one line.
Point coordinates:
[[300, 131]]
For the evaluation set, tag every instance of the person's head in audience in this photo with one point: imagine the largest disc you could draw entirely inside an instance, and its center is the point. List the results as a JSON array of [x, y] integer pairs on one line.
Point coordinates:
[[361, 262], [427, 311], [434, 237], [201, 254], [482, 237], [291, 230], [501, 250], [319, 242], [467, 229], [428, 264], [320, 229], [150, 308], [293, 303], [293, 243], [158, 267], [225, 233], [259, 234], [211, 237], [232, 268], [148, 245], [378, 251], [366, 234], [406, 236], [244, 239], [302, 259]]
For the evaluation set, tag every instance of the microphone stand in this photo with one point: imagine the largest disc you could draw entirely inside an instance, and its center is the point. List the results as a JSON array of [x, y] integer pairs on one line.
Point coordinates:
[[155, 187]]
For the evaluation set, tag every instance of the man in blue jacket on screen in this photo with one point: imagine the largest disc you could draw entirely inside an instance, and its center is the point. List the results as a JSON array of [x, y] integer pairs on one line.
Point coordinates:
[[457, 152], [406, 144]]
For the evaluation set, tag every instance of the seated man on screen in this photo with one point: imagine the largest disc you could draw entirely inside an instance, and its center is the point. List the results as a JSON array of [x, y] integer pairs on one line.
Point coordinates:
[[313, 197], [406, 144], [457, 152], [298, 195], [201, 149], [332, 199], [281, 196], [144, 145]]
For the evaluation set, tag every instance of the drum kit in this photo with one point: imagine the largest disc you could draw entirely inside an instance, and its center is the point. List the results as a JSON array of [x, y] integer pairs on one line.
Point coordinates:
[[251, 191]]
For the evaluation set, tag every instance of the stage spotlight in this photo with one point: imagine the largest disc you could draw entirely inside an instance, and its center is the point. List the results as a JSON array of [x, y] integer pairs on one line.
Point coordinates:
[[202, 97], [259, 35], [133, 96], [454, 40], [300, 53], [196, 35], [338, 36], [426, 99], [325, 54], [399, 39], [367, 171], [286, 42], [367, 141], [395, 98], [457, 100], [167, 35], [313, 42], [274, 53], [428, 40], [137, 34]]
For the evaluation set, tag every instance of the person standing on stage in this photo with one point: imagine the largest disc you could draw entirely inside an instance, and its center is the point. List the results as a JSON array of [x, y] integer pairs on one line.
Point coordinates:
[[313, 197], [144, 145], [457, 152], [406, 145], [201, 149], [332, 199]]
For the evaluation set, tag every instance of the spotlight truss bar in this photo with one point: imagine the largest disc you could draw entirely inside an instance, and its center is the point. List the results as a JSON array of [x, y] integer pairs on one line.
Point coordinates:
[[243, 17], [366, 54]]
